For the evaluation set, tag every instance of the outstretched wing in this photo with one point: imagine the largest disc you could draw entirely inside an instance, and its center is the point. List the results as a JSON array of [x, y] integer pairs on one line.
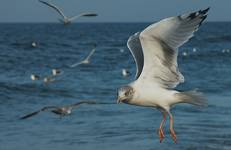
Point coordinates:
[[86, 59], [159, 45], [54, 7], [30, 115], [82, 102], [37, 112], [76, 64], [135, 48], [90, 54], [87, 14]]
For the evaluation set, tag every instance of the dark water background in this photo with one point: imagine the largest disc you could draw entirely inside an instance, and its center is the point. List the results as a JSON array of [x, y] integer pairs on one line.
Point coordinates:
[[110, 126]]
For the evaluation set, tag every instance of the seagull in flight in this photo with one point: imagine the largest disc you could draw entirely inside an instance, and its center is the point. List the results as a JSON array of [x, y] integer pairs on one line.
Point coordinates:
[[67, 20], [61, 111], [155, 51], [86, 60]]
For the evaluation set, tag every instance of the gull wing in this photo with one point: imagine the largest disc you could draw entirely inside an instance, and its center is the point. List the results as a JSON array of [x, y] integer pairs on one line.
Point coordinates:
[[90, 54], [76, 64], [37, 112], [82, 102], [135, 48], [160, 43], [87, 58], [54, 7], [87, 14]]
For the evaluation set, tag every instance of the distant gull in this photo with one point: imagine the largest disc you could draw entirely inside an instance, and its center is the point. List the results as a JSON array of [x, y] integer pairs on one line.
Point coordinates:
[[56, 72], [61, 111], [67, 20], [155, 52], [225, 51], [34, 44], [34, 77], [86, 60], [184, 53], [125, 72], [48, 79], [194, 50], [121, 50]]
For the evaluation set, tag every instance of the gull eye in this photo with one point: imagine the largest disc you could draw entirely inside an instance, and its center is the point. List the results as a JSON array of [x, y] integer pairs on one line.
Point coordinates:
[[127, 93]]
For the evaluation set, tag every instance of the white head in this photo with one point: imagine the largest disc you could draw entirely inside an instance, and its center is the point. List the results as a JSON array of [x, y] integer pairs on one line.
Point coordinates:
[[125, 94]]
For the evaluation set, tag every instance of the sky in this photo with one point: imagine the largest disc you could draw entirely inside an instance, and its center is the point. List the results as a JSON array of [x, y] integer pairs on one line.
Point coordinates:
[[111, 10]]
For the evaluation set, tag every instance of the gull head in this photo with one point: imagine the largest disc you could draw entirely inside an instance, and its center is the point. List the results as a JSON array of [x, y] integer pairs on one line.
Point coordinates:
[[125, 94]]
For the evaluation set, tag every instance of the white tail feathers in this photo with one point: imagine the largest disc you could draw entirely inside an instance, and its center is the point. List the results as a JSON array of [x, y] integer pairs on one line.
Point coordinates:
[[192, 97]]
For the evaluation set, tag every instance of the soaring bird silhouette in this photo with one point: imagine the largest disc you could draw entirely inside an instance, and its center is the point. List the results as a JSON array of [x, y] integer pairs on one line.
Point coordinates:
[[61, 111], [67, 20], [86, 60]]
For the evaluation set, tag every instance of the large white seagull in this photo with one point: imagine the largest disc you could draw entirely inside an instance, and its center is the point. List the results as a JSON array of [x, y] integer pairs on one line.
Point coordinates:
[[155, 51]]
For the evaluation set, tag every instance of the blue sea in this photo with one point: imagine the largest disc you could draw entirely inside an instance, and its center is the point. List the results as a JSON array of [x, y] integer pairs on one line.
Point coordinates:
[[107, 126]]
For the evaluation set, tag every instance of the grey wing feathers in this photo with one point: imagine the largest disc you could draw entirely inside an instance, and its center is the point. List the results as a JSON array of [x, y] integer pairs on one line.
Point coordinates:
[[30, 115], [160, 42], [91, 53], [84, 15], [54, 7], [135, 48], [36, 112], [184, 29], [83, 102]]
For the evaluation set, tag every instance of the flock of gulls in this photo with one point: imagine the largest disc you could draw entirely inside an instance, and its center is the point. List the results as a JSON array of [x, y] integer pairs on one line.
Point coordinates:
[[155, 51], [57, 72]]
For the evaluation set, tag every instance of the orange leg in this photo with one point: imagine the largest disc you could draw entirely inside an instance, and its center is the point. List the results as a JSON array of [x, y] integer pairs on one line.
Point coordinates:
[[172, 132], [160, 131]]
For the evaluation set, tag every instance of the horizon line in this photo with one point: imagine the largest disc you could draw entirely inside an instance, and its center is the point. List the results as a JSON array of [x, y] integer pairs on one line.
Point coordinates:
[[94, 22]]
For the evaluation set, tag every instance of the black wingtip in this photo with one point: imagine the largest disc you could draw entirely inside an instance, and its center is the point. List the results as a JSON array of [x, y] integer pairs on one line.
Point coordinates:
[[192, 15], [29, 115], [203, 18], [204, 11], [24, 117]]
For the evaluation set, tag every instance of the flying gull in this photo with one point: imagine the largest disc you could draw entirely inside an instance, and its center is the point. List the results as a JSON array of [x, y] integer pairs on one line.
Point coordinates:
[[67, 20], [86, 60], [155, 52], [61, 111]]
